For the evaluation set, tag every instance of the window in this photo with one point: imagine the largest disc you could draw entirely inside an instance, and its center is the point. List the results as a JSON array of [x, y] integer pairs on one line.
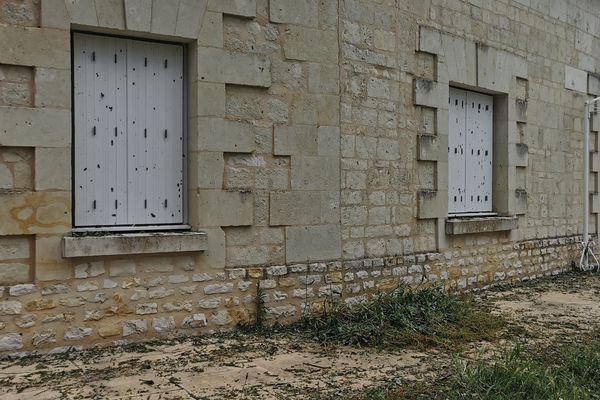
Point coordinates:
[[128, 132], [470, 152]]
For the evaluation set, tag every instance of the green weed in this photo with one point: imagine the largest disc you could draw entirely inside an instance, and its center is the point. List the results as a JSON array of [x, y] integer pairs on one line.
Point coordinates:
[[428, 316]]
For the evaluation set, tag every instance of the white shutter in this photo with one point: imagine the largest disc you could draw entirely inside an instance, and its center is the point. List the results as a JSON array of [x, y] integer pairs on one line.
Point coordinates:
[[470, 143], [100, 97], [155, 148], [456, 151], [479, 152], [128, 132]]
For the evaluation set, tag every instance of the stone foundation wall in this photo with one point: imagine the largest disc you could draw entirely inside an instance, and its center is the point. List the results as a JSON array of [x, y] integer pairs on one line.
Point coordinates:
[[117, 300]]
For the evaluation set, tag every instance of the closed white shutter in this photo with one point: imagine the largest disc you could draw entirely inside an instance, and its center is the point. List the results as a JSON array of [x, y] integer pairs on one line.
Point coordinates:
[[456, 151], [470, 144], [128, 110], [479, 152]]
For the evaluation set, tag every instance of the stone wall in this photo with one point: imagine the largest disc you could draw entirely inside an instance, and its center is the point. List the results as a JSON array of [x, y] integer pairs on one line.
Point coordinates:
[[131, 299], [316, 154]]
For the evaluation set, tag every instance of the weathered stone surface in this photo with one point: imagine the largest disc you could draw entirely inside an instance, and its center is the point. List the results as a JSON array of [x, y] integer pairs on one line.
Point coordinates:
[[12, 248], [314, 173], [138, 14], [209, 303], [77, 333], [14, 273], [133, 327], [295, 140], [295, 208], [10, 307], [217, 134], [54, 14], [313, 243], [163, 324], [110, 13], [431, 94], [52, 168], [216, 65], [46, 336], [120, 268], [479, 225], [164, 17], [42, 127], [218, 288], [82, 12], [301, 12], [12, 341], [310, 45], [194, 321], [37, 47], [89, 269], [242, 8], [133, 243], [576, 79], [189, 18], [432, 204], [225, 208], [22, 289], [146, 308]]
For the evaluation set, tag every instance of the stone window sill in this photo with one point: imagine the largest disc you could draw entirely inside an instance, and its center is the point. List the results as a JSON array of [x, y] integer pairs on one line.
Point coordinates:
[[133, 243], [463, 226]]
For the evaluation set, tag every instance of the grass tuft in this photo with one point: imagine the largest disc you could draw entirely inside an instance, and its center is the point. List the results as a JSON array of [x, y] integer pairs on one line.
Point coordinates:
[[424, 317], [573, 375]]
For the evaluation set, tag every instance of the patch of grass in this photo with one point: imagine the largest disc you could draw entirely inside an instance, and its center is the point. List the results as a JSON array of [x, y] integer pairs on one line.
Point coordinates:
[[428, 316], [568, 373]]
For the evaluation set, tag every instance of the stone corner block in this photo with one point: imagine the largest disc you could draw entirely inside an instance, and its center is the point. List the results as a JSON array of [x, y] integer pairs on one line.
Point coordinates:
[[429, 93], [520, 155], [595, 203], [241, 8], [521, 110], [594, 84], [520, 201], [307, 44], [222, 66], [432, 204], [430, 147], [430, 40], [218, 134], [53, 14], [313, 243], [225, 208], [595, 162], [576, 79]]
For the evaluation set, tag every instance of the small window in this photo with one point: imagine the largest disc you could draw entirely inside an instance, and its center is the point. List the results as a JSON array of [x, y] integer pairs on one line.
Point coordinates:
[[128, 132], [470, 152]]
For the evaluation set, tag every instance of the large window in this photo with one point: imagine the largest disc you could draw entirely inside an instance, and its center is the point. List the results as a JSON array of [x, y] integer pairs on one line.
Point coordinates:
[[129, 131], [470, 152]]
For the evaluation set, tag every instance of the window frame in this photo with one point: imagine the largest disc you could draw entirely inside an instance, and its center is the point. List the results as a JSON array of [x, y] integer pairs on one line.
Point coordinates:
[[184, 159]]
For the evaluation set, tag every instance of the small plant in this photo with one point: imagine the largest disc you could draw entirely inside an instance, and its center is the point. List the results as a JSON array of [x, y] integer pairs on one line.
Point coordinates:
[[259, 302]]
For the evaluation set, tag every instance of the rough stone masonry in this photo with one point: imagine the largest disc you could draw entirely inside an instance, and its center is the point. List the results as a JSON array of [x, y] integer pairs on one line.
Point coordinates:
[[317, 163]]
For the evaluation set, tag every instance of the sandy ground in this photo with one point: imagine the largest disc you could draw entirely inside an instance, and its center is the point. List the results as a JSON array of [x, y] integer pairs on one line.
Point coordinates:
[[285, 366]]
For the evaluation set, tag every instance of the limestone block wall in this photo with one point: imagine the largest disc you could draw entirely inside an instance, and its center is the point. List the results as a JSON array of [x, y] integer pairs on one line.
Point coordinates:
[[316, 157]]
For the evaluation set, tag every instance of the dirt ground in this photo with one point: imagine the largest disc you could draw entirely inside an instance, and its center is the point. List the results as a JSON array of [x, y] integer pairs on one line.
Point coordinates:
[[286, 366]]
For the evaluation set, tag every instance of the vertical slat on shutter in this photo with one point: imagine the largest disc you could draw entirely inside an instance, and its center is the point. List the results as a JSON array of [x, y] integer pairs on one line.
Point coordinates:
[[479, 152], [456, 151]]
